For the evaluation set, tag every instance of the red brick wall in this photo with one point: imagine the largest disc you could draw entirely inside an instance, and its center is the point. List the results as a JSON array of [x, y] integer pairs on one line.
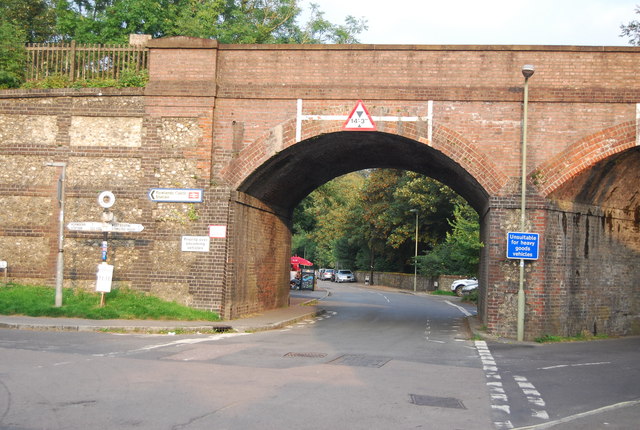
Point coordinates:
[[223, 118]]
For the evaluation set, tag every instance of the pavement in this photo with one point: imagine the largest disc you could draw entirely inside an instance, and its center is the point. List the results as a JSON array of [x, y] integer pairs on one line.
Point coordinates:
[[303, 305]]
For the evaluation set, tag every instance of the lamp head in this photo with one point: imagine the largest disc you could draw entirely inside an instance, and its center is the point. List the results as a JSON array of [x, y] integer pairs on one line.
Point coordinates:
[[527, 70]]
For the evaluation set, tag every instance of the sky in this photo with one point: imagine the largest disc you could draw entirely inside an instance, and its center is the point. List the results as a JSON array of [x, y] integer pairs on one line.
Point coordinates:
[[487, 22]]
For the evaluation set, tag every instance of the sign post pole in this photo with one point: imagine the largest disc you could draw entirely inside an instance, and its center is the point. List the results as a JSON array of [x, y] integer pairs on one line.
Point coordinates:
[[527, 72], [60, 262]]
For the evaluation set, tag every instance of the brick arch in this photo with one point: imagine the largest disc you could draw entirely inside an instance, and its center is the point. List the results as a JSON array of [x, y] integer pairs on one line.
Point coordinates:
[[479, 165], [476, 176], [581, 156]]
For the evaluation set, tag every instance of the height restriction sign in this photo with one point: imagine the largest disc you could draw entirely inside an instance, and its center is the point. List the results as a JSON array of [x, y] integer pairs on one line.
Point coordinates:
[[359, 119]]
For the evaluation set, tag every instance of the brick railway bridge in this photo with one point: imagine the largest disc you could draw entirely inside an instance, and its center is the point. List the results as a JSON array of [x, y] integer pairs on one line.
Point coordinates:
[[244, 123]]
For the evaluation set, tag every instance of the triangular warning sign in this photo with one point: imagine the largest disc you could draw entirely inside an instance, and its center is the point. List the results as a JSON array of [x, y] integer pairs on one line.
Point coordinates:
[[359, 119]]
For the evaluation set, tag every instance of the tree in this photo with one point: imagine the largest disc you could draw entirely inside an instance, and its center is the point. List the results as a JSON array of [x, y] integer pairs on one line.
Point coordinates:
[[34, 19], [632, 30], [388, 198], [111, 21], [459, 254], [228, 21], [12, 54]]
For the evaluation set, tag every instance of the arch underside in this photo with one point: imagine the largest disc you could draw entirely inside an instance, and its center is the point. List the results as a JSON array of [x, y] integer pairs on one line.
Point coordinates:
[[286, 178]]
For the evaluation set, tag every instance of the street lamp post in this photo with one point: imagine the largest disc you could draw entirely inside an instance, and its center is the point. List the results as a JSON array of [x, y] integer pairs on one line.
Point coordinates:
[[60, 262], [415, 258], [527, 72]]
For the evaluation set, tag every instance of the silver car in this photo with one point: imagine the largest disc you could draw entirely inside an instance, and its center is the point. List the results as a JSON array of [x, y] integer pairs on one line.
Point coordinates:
[[345, 276], [326, 275]]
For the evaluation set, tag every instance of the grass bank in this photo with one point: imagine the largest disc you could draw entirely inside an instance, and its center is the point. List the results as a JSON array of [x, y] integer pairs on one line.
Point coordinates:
[[38, 301]]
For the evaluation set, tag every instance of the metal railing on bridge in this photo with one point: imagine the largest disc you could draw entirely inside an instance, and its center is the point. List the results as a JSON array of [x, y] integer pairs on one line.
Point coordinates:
[[83, 61]]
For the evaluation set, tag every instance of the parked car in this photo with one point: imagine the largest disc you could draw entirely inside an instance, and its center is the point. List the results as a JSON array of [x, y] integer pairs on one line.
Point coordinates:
[[327, 275], [464, 286], [344, 276]]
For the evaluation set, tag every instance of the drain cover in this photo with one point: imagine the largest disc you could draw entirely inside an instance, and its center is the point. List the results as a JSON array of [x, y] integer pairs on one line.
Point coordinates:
[[306, 354], [360, 360], [438, 402]]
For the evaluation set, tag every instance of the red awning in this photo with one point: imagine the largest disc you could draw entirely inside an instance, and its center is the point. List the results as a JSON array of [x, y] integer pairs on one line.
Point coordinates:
[[300, 261]]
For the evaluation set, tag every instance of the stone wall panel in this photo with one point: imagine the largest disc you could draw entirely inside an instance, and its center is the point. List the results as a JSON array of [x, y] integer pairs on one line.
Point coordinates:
[[28, 129], [105, 131]]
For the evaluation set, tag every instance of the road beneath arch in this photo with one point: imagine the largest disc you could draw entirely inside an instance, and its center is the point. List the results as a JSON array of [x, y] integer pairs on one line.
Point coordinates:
[[375, 359]]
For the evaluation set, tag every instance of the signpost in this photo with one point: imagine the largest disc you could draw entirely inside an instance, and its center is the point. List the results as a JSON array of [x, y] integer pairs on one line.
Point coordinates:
[[106, 200], [105, 227], [522, 246], [176, 195]]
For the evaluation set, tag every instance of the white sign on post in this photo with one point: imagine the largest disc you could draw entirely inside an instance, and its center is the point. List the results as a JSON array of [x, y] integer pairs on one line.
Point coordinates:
[[104, 277], [195, 243], [116, 227], [176, 195], [218, 231]]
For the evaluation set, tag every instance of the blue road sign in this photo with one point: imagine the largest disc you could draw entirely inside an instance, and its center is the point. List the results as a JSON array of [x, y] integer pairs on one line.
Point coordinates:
[[522, 246]]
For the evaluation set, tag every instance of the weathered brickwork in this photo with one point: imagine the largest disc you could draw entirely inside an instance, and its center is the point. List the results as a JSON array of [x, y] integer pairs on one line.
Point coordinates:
[[224, 118]]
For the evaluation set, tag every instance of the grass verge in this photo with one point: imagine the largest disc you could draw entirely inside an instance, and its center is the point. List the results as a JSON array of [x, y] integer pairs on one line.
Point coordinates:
[[38, 301], [443, 293], [547, 338]]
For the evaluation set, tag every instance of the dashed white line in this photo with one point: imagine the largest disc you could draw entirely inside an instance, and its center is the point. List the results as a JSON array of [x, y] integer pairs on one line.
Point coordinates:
[[533, 397], [499, 398]]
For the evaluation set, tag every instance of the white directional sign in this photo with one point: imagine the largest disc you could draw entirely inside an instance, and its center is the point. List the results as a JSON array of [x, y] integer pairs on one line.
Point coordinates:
[[125, 227], [116, 227], [359, 119], [176, 195]]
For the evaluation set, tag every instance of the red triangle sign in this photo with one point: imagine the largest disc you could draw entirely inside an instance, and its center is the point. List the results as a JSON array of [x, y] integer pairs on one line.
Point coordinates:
[[359, 119]]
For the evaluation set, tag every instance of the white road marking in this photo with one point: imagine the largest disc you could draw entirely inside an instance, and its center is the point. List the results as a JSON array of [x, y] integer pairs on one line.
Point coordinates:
[[533, 396], [460, 308], [385, 297], [189, 341], [499, 398], [570, 418], [560, 366]]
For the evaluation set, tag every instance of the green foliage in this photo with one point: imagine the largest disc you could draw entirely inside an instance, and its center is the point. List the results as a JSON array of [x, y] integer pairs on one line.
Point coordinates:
[[363, 220], [128, 78], [584, 336], [459, 254], [33, 19], [228, 21], [119, 304], [12, 54], [472, 297], [632, 30], [443, 293]]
